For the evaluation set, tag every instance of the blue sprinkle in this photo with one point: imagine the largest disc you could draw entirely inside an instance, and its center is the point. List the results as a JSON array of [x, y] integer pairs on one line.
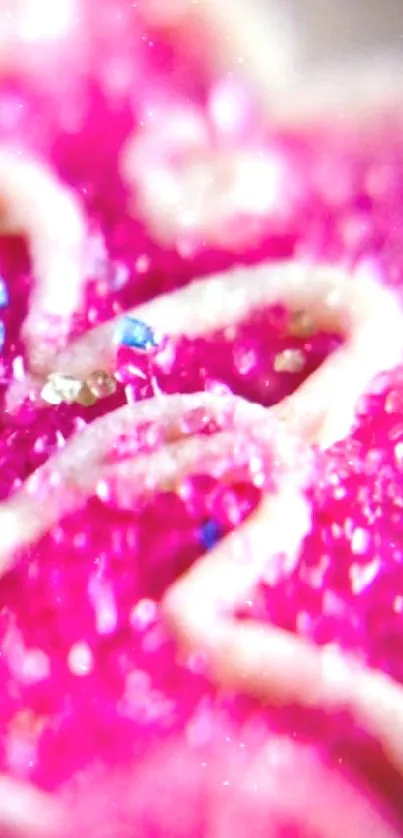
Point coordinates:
[[2, 335], [4, 298], [210, 534], [135, 333]]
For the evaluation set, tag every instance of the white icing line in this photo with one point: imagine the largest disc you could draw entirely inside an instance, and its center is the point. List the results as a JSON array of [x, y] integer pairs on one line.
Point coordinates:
[[26, 811], [63, 483], [206, 196], [197, 606], [34, 202], [362, 310], [44, 43], [261, 660], [277, 667]]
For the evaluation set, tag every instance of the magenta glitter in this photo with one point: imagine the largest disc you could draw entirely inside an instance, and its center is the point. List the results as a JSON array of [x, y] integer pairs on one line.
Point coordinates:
[[240, 363], [108, 567], [91, 680], [347, 587]]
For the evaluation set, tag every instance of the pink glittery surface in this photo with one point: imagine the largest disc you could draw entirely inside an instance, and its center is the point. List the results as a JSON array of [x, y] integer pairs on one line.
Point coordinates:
[[91, 680]]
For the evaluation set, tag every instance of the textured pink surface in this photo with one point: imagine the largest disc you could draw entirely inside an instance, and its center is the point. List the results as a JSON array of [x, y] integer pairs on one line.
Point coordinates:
[[347, 586], [101, 684]]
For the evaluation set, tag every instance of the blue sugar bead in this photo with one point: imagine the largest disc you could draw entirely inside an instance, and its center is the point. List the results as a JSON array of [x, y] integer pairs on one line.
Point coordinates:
[[210, 534], [135, 334], [4, 297], [2, 335]]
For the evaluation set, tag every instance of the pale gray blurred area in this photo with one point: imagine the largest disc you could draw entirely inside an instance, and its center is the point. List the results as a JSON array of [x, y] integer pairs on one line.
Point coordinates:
[[330, 31], [327, 56]]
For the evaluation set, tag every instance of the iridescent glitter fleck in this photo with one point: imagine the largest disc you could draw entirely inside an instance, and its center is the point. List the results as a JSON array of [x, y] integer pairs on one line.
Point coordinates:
[[135, 334], [2, 335], [210, 534], [4, 295]]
